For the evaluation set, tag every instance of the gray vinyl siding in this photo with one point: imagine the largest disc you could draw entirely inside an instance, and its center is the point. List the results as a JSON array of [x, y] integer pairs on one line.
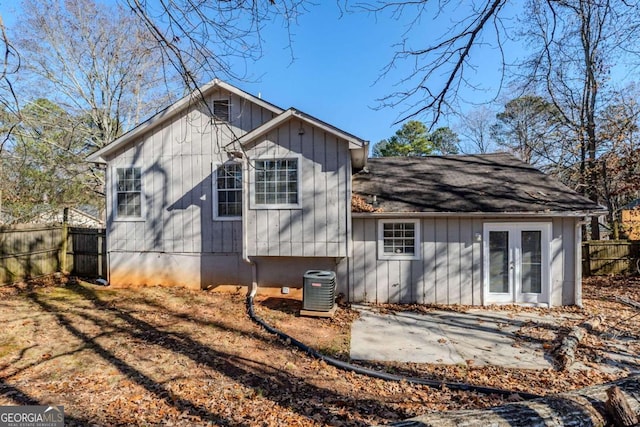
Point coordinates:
[[450, 268], [565, 265], [319, 227], [177, 160]]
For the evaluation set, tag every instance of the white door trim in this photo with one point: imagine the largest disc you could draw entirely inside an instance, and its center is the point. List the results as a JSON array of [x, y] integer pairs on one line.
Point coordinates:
[[515, 294]]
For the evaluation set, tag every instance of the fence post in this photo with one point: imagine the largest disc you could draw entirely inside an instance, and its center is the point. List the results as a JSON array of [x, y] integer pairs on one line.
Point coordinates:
[[65, 238], [100, 253]]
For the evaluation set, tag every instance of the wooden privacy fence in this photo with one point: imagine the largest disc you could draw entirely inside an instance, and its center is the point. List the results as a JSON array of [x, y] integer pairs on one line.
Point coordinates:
[[601, 257], [88, 252], [28, 251]]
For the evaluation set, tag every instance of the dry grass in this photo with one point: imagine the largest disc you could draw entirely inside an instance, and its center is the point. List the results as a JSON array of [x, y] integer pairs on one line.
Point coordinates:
[[177, 357]]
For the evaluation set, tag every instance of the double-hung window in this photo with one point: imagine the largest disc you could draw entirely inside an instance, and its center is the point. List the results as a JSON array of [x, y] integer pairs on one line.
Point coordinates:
[[276, 183], [128, 192], [399, 239], [228, 185]]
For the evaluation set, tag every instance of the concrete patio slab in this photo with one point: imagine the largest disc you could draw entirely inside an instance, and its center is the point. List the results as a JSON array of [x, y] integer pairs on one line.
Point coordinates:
[[478, 337]]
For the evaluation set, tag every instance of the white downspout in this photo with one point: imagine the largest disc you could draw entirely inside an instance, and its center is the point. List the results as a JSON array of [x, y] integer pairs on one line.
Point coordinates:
[[253, 288]]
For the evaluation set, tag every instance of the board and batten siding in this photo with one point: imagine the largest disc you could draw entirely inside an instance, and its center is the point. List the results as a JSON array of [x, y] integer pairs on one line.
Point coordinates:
[[450, 268], [565, 260], [320, 226], [177, 241]]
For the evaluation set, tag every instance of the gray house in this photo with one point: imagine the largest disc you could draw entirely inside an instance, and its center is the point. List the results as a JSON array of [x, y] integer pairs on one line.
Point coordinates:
[[227, 189]]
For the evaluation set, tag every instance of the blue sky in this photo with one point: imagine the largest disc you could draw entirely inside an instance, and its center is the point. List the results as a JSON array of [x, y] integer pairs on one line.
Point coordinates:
[[338, 58], [336, 63]]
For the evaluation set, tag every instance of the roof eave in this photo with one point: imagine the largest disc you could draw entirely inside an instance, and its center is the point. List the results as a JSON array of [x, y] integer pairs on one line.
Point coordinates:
[[576, 214], [171, 111], [354, 142], [95, 158]]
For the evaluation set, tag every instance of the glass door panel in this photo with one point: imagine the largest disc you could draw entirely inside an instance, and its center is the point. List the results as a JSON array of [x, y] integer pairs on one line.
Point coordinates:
[[531, 263], [499, 261]]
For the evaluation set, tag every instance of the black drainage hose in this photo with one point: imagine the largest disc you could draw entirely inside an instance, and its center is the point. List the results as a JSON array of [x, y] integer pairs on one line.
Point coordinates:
[[378, 374]]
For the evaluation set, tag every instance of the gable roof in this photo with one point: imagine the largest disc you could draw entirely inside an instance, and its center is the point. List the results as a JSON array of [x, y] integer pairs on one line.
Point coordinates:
[[631, 205], [77, 217], [354, 141], [484, 183], [173, 110], [359, 147]]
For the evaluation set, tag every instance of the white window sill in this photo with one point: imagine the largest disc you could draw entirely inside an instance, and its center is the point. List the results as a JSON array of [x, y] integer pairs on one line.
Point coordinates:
[[227, 218], [129, 219], [280, 206], [391, 257]]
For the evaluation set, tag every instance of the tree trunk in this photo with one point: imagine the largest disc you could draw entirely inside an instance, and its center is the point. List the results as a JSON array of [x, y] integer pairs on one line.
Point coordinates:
[[629, 302], [579, 408], [618, 407], [566, 352]]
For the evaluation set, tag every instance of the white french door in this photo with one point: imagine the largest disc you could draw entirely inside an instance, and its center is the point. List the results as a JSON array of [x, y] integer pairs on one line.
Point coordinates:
[[516, 263]]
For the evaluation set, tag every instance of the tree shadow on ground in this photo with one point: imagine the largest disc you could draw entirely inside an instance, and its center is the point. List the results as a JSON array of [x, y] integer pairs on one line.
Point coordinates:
[[125, 368], [22, 398], [280, 386], [285, 305]]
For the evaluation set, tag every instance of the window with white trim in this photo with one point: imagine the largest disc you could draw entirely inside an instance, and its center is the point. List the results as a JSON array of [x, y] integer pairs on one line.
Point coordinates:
[[276, 182], [221, 110], [128, 192], [229, 190], [399, 239]]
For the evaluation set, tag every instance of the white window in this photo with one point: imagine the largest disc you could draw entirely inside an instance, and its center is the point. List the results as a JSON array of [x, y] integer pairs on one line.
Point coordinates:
[[221, 110], [128, 183], [276, 183], [399, 239], [228, 191]]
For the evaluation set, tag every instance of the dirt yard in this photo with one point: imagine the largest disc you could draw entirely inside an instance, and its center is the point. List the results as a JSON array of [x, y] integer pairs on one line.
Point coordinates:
[[176, 357]]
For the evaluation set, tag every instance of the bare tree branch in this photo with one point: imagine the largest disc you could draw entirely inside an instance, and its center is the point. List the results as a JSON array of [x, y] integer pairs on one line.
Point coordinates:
[[438, 71], [201, 39], [93, 60]]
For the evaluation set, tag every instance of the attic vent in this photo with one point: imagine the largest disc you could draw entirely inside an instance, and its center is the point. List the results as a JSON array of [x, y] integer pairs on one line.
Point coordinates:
[[221, 110]]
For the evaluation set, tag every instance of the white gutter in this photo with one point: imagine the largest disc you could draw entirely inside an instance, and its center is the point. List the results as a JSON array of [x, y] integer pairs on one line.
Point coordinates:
[[472, 214]]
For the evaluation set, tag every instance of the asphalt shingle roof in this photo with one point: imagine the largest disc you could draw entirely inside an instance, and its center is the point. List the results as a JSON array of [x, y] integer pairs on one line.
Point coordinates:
[[489, 183]]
